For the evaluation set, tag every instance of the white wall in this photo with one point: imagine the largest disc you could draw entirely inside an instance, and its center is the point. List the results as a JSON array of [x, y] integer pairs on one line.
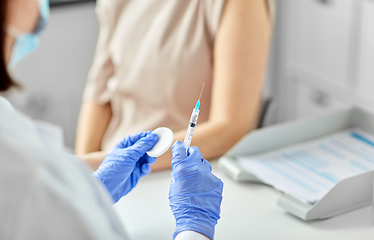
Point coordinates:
[[323, 57], [55, 74]]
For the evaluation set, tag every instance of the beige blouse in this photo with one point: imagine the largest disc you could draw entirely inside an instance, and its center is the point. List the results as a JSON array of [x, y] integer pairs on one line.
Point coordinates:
[[151, 60]]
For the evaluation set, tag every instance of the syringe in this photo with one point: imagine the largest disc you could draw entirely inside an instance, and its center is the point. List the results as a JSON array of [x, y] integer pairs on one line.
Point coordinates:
[[193, 121]]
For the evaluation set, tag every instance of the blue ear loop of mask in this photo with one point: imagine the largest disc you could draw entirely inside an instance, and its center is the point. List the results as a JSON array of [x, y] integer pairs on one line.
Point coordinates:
[[25, 43]]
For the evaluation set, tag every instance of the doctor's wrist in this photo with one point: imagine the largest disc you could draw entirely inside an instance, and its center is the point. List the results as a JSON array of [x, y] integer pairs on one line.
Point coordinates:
[[196, 224], [188, 235]]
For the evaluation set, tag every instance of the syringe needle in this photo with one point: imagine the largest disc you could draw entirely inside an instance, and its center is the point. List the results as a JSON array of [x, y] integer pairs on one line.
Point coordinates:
[[202, 90]]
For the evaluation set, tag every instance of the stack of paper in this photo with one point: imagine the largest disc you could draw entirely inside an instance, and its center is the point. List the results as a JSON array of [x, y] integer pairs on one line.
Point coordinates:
[[309, 170]]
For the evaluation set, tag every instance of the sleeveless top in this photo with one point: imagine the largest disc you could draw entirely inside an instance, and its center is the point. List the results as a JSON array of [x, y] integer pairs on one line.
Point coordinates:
[[152, 58]]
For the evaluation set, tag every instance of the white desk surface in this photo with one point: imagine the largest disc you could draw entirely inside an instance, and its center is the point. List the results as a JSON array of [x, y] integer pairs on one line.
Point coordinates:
[[248, 211]]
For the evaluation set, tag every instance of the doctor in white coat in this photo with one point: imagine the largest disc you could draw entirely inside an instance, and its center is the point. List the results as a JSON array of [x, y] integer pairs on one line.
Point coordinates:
[[47, 194]]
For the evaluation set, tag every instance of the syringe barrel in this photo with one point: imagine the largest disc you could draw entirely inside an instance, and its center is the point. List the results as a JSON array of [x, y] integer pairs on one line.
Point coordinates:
[[188, 137], [194, 117], [191, 128]]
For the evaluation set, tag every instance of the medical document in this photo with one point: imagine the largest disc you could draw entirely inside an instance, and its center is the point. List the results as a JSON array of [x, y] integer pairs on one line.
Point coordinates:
[[307, 171]]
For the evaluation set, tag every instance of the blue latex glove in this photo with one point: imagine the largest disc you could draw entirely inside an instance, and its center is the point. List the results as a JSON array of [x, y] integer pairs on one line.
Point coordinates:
[[195, 193], [126, 164]]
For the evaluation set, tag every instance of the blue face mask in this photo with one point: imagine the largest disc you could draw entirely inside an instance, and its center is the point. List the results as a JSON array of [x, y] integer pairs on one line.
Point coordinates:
[[27, 42]]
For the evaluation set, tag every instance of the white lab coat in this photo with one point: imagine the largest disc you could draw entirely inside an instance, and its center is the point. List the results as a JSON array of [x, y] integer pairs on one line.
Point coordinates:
[[47, 194]]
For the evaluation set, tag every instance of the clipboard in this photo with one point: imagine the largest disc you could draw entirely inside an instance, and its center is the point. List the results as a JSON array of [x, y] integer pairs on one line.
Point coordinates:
[[349, 194]]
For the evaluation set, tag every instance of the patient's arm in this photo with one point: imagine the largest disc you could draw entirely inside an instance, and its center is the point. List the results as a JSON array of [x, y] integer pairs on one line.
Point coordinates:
[[240, 54], [93, 122]]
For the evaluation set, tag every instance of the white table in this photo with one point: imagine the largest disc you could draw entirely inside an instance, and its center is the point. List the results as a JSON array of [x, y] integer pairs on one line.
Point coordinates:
[[248, 211]]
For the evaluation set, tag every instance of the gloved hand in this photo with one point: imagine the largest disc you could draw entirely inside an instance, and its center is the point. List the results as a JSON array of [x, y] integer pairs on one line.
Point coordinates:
[[195, 193], [126, 164]]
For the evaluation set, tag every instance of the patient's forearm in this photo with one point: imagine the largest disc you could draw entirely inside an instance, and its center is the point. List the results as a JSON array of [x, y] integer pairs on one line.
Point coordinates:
[[94, 159], [213, 140]]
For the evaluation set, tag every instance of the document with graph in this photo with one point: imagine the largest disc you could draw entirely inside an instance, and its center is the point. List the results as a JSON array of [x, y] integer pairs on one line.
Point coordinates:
[[307, 171]]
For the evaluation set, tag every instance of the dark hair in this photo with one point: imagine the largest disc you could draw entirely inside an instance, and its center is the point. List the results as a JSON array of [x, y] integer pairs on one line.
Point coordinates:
[[6, 81]]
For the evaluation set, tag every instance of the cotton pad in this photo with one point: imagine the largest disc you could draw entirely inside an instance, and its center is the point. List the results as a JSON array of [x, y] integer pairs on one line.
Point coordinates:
[[165, 139]]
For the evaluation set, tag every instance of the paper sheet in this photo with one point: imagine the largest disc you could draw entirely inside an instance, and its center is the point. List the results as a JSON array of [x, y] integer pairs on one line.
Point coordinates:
[[309, 170]]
